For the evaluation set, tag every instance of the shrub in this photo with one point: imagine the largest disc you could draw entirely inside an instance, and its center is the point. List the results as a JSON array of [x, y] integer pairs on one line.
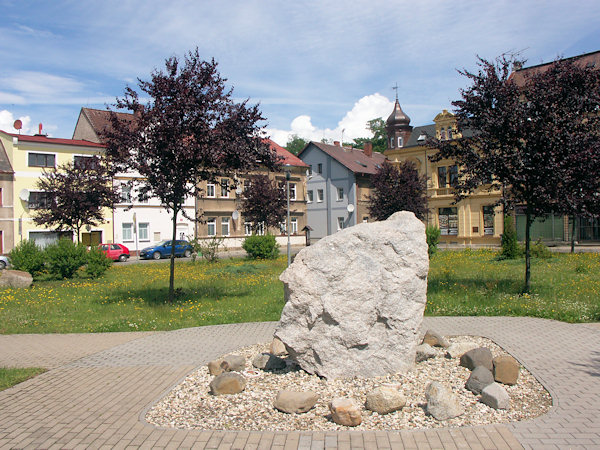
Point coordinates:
[[433, 238], [97, 263], [509, 243], [540, 250], [261, 247], [208, 248], [28, 257], [65, 258]]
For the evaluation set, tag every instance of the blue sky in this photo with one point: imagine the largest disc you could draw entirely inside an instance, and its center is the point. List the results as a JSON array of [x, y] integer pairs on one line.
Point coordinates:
[[316, 67]]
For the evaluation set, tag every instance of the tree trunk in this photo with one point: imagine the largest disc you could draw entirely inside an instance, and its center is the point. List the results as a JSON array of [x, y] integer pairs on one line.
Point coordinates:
[[527, 253], [77, 230], [172, 268], [573, 228]]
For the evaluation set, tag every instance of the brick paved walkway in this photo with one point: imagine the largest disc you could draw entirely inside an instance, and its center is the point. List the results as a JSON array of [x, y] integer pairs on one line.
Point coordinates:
[[99, 387]]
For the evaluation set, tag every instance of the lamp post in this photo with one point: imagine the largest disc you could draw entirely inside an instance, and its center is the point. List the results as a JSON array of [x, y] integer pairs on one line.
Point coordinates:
[[288, 175]]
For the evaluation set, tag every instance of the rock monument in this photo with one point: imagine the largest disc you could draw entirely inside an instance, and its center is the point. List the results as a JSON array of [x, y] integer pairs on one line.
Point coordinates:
[[355, 299]]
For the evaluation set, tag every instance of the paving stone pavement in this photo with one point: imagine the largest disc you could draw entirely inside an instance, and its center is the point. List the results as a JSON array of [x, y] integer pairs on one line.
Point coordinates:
[[98, 389]]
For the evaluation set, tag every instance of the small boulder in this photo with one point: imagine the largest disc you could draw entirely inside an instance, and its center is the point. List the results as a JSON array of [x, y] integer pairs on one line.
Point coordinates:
[[480, 356], [214, 367], [506, 369], [441, 402], [495, 396], [268, 361], [15, 279], [480, 378], [425, 352], [345, 412], [293, 402], [233, 363], [277, 347], [384, 400], [435, 339], [458, 349], [227, 383]]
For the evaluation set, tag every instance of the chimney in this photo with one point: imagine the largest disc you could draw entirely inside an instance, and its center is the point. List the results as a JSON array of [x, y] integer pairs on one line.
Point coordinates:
[[336, 143], [368, 149]]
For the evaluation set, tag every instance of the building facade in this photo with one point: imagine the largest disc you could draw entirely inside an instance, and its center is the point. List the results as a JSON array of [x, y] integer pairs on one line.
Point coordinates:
[[338, 185]]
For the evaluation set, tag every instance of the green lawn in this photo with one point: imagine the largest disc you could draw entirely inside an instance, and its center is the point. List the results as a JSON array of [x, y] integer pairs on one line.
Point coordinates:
[[132, 297], [10, 377]]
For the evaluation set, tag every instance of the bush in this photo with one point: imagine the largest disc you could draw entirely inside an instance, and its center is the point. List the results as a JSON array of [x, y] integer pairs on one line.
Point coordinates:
[[97, 263], [28, 257], [433, 238], [261, 247], [540, 250], [509, 243], [65, 258], [208, 248]]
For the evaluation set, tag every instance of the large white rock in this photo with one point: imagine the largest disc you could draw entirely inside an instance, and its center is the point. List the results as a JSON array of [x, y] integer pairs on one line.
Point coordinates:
[[355, 299]]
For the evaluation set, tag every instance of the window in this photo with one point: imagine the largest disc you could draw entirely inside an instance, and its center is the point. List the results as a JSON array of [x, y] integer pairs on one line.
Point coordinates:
[[211, 226], [143, 234], [310, 170], [340, 194], [340, 223], [443, 134], [488, 220], [37, 200], [442, 177], [319, 195], [309, 196], [260, 230], [320, 168], [225, 188], [81, 160], [210, 190], [247, 228], [224, 226], [453, 175], [449, 133], [41, 160], [127, 232], [448, 218], [366, 219], [125, 194], [157, 236], [400, 141], [282, 227], [294, 225], [0, 196], [292, 191]]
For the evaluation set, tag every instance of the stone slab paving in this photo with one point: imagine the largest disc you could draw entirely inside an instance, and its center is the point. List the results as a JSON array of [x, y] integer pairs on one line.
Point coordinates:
[[96, 397]]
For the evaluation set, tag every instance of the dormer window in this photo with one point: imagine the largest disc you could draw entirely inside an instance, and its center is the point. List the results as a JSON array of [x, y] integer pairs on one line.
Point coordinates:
[[449, 133], [400, 141], [391, 142], [443, 134]]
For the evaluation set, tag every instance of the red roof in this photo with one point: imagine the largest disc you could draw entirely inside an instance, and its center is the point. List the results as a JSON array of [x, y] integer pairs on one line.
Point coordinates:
[[49, 140], [353, 158], [587, 59], [288, 158]]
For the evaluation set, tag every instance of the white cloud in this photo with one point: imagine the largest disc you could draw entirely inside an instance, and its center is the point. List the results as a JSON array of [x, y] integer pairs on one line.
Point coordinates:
[[7, 121], [353, 125]]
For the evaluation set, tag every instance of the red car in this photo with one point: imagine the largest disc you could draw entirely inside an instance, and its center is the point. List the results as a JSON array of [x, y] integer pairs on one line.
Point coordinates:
[[116, 252]]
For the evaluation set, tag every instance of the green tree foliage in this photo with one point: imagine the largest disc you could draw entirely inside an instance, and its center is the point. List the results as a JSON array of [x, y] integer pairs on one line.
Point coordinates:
[[509, 244], [28, 257], [96, 263], [189, 130], [397, 189], [64, 258], [261, 247], [295, 144], [379, 138], [432, 234]]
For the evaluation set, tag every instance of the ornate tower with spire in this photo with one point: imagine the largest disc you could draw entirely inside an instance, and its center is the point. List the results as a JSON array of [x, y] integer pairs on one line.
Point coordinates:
[[398, 126]]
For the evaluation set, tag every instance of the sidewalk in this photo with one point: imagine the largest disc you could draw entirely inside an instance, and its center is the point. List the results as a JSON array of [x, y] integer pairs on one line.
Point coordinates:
[[96, 393]]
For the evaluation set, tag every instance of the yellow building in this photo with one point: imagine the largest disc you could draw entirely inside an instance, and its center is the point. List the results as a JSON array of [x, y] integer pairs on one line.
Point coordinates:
[[473, 221], [27, 157]]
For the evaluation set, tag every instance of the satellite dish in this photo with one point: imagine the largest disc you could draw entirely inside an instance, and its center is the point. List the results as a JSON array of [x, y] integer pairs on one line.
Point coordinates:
[[24, 195], [235, 215], [18, 124], [350, 208]]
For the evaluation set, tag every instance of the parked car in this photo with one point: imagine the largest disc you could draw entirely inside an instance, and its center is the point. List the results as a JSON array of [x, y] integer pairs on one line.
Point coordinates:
[[116, 252], [163, 250], [4, 262]]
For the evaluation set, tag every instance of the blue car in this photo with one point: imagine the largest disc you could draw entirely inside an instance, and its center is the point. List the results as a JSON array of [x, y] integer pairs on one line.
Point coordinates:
[[163, 250]]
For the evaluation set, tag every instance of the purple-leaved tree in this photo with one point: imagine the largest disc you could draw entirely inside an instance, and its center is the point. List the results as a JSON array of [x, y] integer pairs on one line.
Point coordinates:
[[264, 202], [398, 189], [189, 130]]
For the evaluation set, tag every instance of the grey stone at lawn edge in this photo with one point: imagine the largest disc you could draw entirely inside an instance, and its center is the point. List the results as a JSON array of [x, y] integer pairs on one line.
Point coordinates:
[[345, 412], [15, 279], [214, 367], [227, 383], [480, 356], [424, 352], [442, 403], [233, 363], [384, 400], [294, 402], [458, 349], [355, 299], [506, 369], [277, 347], [268, 361], [480, 377], [495, 396], [435, 339]]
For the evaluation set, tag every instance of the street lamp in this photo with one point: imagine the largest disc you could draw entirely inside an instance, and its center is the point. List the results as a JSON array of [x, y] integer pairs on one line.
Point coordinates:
[[288, 175]]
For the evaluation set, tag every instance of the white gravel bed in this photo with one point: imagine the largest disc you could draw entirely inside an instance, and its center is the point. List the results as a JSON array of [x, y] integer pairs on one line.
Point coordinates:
[[190, 405]]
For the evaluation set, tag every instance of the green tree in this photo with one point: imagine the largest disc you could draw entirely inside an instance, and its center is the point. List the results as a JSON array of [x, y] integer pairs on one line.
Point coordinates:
[[379, 139], [295, 144]]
